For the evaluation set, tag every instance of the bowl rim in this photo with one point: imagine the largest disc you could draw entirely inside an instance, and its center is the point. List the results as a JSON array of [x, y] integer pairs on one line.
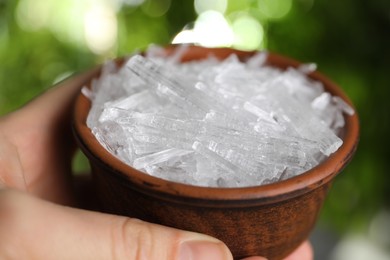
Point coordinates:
[[214, 196]]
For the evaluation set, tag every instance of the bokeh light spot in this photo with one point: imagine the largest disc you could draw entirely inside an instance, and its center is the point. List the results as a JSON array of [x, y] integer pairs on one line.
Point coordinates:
[[156, 8], [185, 36], [274, 9], [207, 5], [32, 15], [213, 30], [238, 6], [132, 2], [248, 32], [100, 28]]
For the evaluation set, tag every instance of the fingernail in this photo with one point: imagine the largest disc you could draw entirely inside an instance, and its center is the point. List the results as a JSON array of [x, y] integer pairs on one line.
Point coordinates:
[[204, 250]]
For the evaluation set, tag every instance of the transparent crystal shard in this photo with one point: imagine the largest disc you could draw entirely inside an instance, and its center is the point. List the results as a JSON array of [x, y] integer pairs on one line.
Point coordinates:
[[225, 120], [330, 110], [274, 153], [159, 130], [176, 56], [270, 145], [172, 86], [343, 106], [262, 152], [303, 120], [177, 166], [240, 169], [112, 136], [103, 93], [217, 159], [260, 113], [144, 148], [235, 157], [322, 101], [327, 111], [229, 72], [113, 113], [307, 68], [161, 123], [142, 101], [155, 51], [299, 85], [168, 140], [257, 60], [87, 93], [160, 55], [167, 131], [159, 157]]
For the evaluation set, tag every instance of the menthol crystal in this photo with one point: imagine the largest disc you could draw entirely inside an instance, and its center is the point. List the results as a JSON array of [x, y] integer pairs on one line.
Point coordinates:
[[214, 123]]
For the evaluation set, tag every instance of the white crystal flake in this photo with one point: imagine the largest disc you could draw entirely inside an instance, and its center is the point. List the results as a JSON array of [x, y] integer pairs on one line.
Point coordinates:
[[227, 123]]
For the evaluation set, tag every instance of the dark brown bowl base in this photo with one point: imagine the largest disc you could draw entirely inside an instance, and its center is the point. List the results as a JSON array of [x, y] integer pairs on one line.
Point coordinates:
[[273, 231]]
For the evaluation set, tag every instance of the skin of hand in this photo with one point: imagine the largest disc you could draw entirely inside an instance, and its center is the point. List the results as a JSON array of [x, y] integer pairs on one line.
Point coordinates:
[[38, 214]]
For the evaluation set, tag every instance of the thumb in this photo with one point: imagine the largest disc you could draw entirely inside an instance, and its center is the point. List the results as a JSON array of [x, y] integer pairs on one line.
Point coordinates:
[[31, 228]]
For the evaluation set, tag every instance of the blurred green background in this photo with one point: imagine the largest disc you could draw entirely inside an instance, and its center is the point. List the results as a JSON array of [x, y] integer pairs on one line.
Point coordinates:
[[43, 41]]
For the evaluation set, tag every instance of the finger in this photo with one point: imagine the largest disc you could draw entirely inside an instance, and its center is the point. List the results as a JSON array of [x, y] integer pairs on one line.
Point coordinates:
[[41, 133], [254, 258], [67, 233], [55, 104], [11, 172], [303, 252]]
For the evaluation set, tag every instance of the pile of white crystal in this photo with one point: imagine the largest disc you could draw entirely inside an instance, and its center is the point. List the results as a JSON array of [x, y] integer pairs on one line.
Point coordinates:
[[214, 123]]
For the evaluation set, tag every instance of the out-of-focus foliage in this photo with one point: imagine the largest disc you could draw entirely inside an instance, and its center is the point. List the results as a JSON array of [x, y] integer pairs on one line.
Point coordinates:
[[39, 47], [41, 41]]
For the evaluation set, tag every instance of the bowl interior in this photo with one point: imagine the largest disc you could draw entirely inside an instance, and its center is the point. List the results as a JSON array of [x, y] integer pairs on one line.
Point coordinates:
[[265, 194]]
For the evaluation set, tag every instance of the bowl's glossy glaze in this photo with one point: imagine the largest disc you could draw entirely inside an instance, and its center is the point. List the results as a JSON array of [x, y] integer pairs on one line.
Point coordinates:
[[270, 220]]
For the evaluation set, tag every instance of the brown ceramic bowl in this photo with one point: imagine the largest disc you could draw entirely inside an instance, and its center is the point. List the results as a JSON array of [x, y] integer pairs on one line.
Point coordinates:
[[270, 220]]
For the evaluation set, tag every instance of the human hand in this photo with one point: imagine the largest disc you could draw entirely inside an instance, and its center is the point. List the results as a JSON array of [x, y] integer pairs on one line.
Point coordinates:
[[36, 217]]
